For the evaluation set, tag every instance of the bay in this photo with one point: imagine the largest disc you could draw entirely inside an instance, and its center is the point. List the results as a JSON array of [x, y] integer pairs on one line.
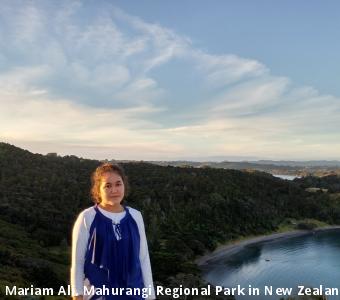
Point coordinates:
[[287, 177], [310, 260]]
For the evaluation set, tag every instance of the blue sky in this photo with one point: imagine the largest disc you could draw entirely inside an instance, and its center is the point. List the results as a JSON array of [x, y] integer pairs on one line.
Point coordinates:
[[171, 79]]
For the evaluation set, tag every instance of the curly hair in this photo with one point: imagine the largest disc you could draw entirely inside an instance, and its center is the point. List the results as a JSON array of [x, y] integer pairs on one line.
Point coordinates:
[[97, 176]]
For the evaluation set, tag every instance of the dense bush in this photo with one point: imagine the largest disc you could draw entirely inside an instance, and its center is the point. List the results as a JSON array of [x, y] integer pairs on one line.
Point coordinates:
[[187, 211]]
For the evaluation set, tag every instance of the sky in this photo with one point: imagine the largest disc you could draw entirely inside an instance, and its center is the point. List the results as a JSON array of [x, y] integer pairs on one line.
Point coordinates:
[[167, 80]]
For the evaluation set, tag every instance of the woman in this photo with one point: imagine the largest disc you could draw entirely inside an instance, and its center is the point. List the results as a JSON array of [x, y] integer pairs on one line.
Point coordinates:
[[109, 246]]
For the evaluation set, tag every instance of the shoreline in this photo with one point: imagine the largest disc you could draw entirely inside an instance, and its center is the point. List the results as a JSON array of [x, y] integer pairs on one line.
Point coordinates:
[[233, 247]]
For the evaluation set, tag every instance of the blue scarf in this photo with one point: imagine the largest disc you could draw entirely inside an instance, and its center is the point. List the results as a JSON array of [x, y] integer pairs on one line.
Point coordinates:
[[111, 262]]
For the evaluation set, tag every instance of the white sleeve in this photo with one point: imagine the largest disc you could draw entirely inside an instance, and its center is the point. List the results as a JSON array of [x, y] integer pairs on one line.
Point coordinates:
[[80, 237], [145, 258]]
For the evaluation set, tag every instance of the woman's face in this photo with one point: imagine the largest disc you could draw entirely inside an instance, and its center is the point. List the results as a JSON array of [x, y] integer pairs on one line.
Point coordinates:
[[111, 189]]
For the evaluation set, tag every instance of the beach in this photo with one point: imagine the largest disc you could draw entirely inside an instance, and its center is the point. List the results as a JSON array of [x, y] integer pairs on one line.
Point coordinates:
[[236, 246]]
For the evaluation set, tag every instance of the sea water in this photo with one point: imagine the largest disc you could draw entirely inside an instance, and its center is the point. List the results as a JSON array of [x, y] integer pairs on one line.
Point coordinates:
[[310, 260]]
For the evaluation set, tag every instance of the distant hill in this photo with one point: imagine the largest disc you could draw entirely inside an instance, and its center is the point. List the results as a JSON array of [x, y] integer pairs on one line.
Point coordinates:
[[298, 168], [187, 211], [308, 163]]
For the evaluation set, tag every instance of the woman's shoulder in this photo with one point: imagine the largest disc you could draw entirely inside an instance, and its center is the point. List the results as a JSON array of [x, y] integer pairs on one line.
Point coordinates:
[[87, 213], [88, 210], [85, 217], [135, 212]]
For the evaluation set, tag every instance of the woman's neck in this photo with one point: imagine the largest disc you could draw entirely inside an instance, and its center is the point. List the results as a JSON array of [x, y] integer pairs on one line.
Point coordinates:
[[111, 208]]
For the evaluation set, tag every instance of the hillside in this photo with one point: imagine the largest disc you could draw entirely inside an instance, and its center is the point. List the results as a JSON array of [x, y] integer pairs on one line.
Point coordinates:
[[297, 168], [187, 211], [329, 182]]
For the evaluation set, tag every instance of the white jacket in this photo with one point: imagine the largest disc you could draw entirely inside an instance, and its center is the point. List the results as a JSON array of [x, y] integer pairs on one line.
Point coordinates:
[[80, 236]]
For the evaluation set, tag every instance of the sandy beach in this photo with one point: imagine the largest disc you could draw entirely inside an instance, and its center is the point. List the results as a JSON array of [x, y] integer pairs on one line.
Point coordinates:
[[234, 247]]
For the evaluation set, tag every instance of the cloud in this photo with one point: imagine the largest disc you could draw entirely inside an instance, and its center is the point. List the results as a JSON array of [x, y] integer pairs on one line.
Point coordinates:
[[102, 81], [91, 59], [105, 53], [223, 70], [163, 43], [29, 117], [251, 96]]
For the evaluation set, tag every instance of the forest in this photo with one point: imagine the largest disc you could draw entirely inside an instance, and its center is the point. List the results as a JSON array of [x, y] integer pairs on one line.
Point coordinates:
[[187, 212]]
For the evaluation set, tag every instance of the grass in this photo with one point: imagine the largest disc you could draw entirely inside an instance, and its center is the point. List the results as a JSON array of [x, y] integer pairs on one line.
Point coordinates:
[[286, 226]]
